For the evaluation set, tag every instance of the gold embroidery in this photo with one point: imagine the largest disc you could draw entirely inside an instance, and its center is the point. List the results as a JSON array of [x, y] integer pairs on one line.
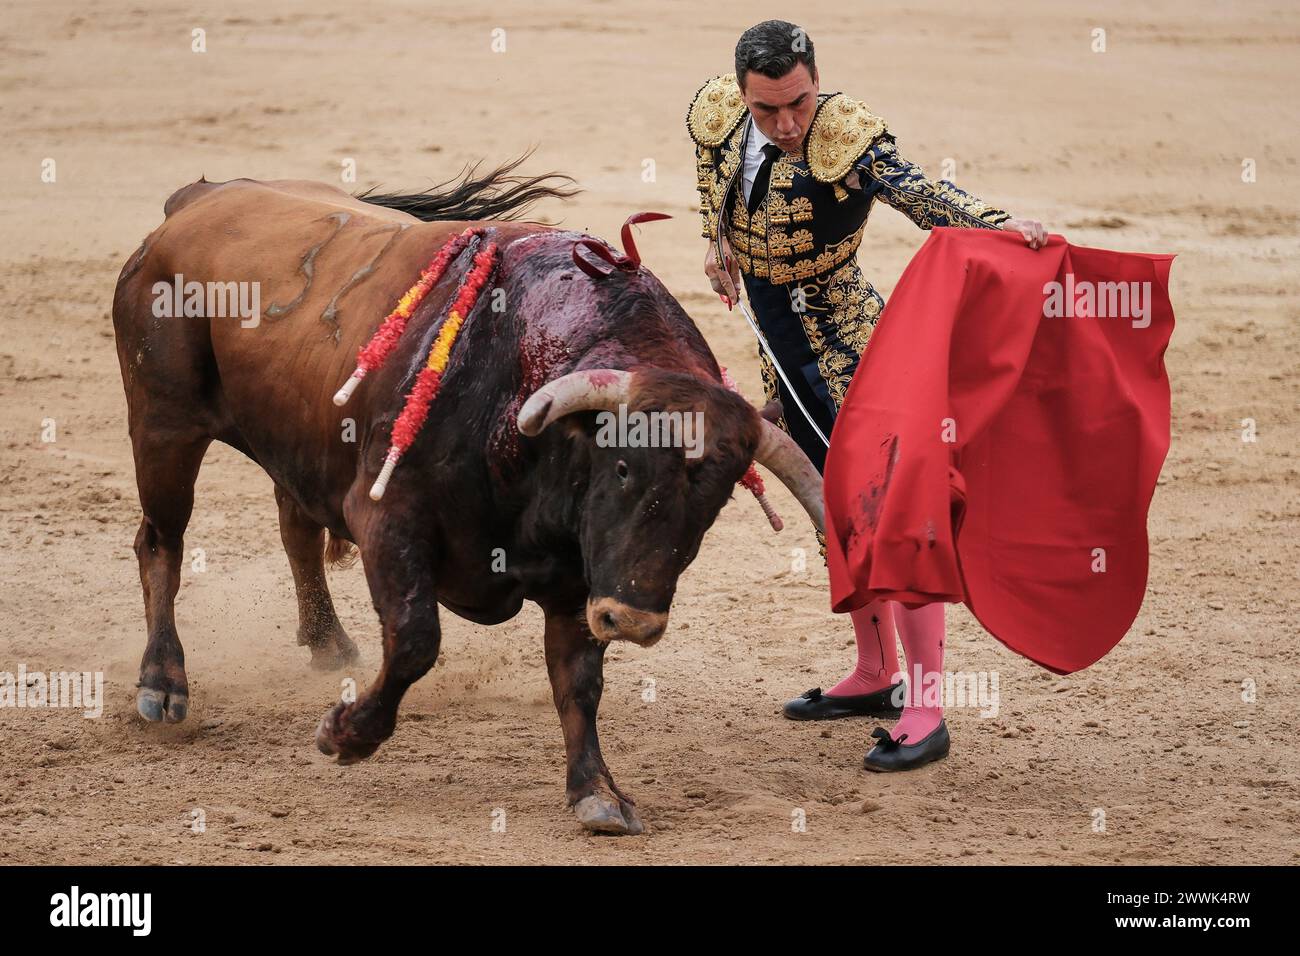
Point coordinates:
[[713, 174], [764, 250], [716, 110], [776, 209], [926, 203], [782, 175], [832, 255], [768, 372], [730, 160], [841, 132], [704, 159], [839, 313]]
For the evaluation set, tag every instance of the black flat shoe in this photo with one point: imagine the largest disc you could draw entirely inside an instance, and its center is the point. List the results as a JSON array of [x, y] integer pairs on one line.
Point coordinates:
[[886, 704], [889, 754]]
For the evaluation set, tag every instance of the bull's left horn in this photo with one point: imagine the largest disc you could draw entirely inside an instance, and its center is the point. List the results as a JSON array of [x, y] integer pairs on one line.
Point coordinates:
[[778, 453], [600, 389]]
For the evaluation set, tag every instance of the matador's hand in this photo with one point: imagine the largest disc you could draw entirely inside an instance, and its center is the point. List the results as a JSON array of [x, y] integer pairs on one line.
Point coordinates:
[[1034, 232], [724, 281]]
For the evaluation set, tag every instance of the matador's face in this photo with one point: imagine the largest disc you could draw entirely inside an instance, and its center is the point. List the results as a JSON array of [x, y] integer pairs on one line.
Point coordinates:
[[783, 108]]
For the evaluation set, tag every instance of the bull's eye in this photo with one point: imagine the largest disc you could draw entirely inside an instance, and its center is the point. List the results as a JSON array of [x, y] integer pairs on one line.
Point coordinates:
[[621, 470]]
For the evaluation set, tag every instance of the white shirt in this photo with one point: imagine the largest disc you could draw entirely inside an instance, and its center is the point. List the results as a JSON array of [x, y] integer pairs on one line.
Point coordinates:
[[753, 155]]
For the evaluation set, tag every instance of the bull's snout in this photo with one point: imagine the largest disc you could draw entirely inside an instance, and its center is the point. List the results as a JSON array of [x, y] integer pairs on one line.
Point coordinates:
[[612, 620]]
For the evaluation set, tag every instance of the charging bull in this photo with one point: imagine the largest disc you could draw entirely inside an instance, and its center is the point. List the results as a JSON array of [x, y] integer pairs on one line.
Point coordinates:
[[505, 496]]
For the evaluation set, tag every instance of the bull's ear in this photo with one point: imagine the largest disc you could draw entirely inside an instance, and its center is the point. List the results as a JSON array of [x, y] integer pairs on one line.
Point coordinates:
[[580, 426]]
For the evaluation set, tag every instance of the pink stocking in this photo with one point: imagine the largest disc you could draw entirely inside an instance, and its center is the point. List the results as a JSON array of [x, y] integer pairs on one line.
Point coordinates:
[[873, 630], [921, 631]]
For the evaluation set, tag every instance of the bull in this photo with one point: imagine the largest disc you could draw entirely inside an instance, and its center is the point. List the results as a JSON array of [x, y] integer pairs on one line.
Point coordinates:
[[505, 497]]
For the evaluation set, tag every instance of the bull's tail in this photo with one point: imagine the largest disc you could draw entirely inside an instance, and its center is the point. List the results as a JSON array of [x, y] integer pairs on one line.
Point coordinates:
[[339, 552], [497, 194]]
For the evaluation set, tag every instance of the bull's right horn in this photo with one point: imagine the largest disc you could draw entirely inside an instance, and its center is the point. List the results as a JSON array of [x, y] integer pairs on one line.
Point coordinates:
[[778, 453], [599, 389]]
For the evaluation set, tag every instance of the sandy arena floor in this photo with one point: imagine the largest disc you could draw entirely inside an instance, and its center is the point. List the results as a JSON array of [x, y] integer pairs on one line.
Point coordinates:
[[1138, 148]]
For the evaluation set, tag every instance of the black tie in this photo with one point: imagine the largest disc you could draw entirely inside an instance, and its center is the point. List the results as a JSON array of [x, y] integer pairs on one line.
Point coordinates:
[[759, 189]]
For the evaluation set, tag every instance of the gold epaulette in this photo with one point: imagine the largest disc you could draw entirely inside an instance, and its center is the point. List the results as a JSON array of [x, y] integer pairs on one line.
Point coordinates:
[[841, 132], [715, 111]]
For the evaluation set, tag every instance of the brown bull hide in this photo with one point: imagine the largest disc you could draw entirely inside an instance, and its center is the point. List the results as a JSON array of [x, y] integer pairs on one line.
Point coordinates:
[[478, 517]]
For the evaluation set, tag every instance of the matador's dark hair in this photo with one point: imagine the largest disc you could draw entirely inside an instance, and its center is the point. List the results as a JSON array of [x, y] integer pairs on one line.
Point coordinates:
[[772, 48]]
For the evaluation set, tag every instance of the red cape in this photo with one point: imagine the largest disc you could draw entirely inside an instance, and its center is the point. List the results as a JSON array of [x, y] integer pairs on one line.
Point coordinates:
[[991, 454]]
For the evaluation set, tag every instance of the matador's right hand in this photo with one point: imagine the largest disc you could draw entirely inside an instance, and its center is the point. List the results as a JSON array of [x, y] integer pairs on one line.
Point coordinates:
[[725, 281]]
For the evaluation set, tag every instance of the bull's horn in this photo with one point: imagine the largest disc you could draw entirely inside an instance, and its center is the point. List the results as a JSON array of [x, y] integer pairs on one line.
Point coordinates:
[[600, 389], [778, 453]]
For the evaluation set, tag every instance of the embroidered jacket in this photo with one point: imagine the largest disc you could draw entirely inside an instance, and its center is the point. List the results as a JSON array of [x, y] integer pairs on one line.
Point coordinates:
[[797, 252]]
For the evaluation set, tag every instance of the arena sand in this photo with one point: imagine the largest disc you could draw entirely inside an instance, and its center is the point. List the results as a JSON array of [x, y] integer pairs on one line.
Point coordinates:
[[1137, 148]]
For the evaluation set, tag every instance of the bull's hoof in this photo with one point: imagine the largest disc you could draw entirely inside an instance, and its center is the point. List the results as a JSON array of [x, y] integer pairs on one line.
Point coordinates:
[[333, 651], [601, 813], [158, 705], [334, 657], [333, 741]]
